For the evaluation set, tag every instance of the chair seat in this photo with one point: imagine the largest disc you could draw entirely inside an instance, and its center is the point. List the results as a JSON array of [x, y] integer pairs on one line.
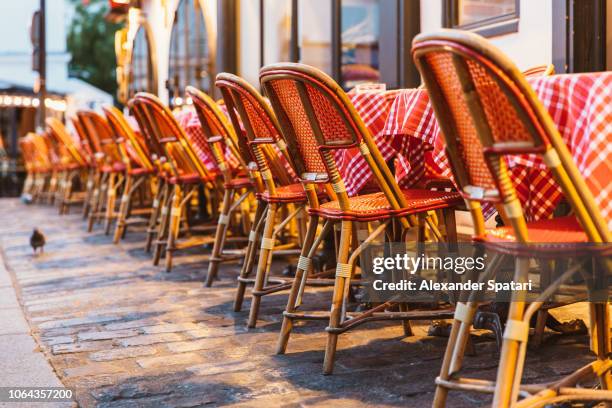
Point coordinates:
[[292, 193], [114, 168], [375, 206], [139, 171], [68, 167], [555, 235], [556, 230], [185, 179], [239, 182]]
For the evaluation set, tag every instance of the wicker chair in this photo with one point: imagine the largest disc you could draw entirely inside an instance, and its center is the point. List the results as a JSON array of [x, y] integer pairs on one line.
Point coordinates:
[[38, 166], [180, 167], [72, 162], [487, 110], [47, 186], [316, 117], [139, 169], [110, 168], [276, 189], [89, 153], [238, 187]]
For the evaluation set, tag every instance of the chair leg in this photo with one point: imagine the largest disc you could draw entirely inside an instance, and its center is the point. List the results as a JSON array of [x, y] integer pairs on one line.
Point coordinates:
[[600, 338], [215, 257], [123, 208], [506, 382], [175, 224], [337, 300], [162, 228], [111, 198], [59, 192], [155, 213], [52, 188], [95, 201], [455, 348], [265, 256], [251, 252], [304, 267], [67, 194], [88, 192]]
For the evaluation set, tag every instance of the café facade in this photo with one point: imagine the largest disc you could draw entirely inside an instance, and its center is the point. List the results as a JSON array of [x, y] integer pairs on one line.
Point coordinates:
[[166, 45]]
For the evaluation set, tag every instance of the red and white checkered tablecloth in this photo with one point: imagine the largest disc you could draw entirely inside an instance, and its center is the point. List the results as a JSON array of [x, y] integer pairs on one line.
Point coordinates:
[[579, 104], [374, 109], [189, 121]]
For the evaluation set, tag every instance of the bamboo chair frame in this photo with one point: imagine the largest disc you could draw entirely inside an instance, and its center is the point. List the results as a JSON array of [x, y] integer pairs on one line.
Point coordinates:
[[47, 189], [88, 151], [35, 153], [181, 168], [139, 169], [469, 53], [311, 83], [540, 70], [72, 162], [238, 189], [110, 169], [247, 108]]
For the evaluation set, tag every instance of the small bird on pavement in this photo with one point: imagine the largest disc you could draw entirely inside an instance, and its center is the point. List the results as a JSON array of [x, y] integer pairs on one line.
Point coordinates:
[[37, 240]]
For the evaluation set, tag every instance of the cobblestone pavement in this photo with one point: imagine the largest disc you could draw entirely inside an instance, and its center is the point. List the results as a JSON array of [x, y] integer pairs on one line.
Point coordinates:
[[124, 333]]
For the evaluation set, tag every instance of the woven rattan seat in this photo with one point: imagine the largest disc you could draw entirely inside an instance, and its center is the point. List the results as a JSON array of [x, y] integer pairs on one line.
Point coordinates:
[[376, 207], [292, 193], [240, 182]]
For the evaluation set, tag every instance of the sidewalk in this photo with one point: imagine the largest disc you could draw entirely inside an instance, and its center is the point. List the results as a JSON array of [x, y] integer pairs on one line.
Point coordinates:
[[22, 363], [124, 333]]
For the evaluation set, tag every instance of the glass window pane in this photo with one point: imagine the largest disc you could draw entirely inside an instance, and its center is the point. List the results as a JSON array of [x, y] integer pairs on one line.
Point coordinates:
[[189, 53], [360, 42], [277, 31], [473, 11], [315, 33], [141, 73]]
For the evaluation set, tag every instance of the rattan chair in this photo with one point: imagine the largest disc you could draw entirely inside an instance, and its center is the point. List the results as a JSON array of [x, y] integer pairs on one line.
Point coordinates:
[[277, 191], [181, 169], [71, 164], [486, 111], [88, 152], [35, 153], [238, 186], [110, 168], [47, 188], [139, 170], [317, 117]]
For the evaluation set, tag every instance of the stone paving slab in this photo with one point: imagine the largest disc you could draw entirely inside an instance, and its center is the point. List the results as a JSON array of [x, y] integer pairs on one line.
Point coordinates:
[[22, 363], [126, 334]]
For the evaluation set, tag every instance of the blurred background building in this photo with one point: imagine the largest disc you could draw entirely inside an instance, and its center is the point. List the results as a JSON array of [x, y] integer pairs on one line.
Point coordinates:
[[18, 99]]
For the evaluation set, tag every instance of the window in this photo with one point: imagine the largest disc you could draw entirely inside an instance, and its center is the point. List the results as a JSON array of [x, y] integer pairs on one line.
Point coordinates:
[[190, 62], [360, 33], [142, 68], [354, 41], [276, 33], [486, 17], [315, 34]]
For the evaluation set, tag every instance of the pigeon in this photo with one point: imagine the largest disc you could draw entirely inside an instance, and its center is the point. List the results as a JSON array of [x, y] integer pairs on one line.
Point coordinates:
[[37, 240]]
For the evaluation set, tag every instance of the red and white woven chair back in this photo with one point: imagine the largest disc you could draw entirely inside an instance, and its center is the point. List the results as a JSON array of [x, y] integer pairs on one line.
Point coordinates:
[[255, 123], [487, 110], [165, 137]]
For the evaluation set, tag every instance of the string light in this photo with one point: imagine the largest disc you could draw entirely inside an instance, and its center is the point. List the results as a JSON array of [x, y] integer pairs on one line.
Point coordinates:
[[26, 101]]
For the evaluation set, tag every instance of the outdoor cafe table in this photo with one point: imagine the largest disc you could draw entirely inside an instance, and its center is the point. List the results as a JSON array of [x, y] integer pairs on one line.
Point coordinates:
[[579, 104]]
